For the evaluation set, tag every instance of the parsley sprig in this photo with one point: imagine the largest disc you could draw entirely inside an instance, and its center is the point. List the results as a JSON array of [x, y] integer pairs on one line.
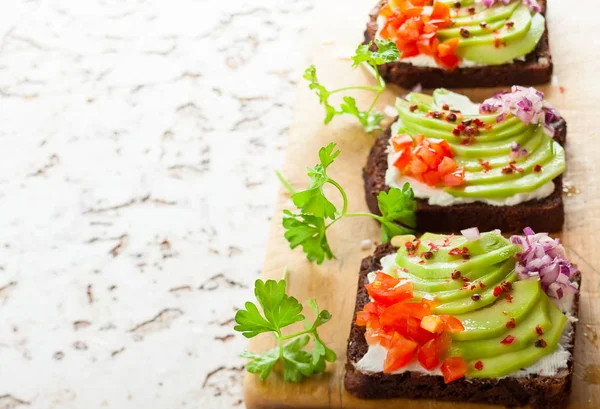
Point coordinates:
[[316, 213], [370, 119], [280, 311]]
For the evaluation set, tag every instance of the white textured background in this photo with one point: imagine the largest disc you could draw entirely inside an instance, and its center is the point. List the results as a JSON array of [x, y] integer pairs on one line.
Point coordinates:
[[137, 146]]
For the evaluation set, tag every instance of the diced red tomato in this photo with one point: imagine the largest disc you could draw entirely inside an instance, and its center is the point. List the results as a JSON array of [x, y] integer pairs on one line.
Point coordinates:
[[442, 343], [440, 10], [432, 323], [430, 161], [427, 355], [400, 353], [363, 318], [416, 333], [402, 142], [451, 323], [432, 178], [456, 178], [453, 368], [403, 160], [446, 166], [386, 291], [417, 166], [413, 24]]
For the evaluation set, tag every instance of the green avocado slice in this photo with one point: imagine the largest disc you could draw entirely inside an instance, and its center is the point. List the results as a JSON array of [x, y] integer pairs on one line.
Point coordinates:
[[467, 304], [474, 165], [483, 149], [524, 335], [493, 275], [424, 102], [521, 20], [500, 12], [490, 322], [489, 54], [541, 155], [447, 33], [507, 363], [527, 183], [490, 249]]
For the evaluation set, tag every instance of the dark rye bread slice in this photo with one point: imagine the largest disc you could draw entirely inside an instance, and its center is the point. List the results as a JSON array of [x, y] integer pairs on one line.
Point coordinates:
[[536, 69], [541, 215], [541, 392]]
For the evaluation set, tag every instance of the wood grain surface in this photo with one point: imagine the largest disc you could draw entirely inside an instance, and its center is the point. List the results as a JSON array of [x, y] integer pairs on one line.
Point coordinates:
[[575, 92]]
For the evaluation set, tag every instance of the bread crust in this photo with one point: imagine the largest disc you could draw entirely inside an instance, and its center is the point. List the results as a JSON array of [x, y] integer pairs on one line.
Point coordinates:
[[545, 214], [541, 392], [536, 69]]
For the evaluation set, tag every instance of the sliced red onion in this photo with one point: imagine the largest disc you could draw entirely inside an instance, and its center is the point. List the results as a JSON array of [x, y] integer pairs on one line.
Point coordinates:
[[532, 4], [471, 234], [555, 291], [516, 152], [527, 104], [544, 258]]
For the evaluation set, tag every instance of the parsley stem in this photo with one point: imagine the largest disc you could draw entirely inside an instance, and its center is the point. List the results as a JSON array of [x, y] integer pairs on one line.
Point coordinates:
[[284, 182], [380, 88], [280, 342], [365, 88], [344, 197], [296, 334], [285, 274], [361, 214]]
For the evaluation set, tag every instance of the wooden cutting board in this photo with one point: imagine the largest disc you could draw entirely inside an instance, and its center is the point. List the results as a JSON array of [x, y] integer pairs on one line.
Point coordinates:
[[337, 29]]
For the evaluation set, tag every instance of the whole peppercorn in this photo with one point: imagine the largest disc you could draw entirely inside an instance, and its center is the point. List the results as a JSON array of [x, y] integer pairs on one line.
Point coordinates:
[[540, 343], [456, 274], [436, 115], [510, 24], [471, 10], [413, 108], [427, 255], [507, 170], [457, 4], [445, 107], [483, 24], [476, 297], [451, 117], [467, 122], [537, 168], [464, 33]]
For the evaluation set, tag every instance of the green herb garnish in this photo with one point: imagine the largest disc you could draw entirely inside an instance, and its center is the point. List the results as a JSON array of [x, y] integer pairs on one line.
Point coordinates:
[[280, 311], [316, 213], [370, 119]]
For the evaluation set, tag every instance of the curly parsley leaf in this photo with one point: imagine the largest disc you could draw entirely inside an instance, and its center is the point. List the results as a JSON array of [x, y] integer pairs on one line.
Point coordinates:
[[309, 227], [386, 52], [309, 232], [312, 201], [282, 310], [398, 207], [310, 75], [368, 119], [261, 364]]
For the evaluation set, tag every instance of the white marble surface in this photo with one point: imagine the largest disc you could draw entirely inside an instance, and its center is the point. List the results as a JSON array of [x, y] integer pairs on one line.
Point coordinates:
[[138, 141]]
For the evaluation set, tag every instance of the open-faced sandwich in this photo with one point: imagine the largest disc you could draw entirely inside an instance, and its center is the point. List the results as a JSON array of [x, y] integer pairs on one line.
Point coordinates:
[[467, 43], [471, 318], [497, 165]]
